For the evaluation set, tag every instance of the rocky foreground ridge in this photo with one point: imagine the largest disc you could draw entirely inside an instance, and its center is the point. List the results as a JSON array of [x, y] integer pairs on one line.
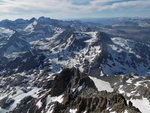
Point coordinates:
[[78, 93]]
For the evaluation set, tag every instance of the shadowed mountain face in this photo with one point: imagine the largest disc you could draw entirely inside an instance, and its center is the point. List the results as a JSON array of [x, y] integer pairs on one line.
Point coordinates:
[[34, 52]]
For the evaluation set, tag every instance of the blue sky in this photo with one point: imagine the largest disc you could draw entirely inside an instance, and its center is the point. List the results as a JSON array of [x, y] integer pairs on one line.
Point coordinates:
[[65, 9]]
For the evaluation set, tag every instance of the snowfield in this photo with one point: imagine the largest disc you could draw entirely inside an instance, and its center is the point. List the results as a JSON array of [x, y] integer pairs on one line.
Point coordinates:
[[143, 104], [101, 85]]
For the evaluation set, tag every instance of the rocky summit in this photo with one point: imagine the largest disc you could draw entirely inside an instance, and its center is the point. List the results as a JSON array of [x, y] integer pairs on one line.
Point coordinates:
[[55, 66]]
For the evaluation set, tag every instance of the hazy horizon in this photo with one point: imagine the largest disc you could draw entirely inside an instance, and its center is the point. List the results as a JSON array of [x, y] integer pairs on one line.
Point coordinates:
[[72, 19]]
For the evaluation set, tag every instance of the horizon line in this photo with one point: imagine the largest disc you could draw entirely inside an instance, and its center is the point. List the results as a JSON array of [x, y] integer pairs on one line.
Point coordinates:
[[83, 18]]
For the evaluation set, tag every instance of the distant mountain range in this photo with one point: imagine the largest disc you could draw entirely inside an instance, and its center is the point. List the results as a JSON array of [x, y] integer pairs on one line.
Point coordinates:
[[52, 66]]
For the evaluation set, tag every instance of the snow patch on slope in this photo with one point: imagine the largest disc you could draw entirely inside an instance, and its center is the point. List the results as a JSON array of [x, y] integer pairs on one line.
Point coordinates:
[[143, 104], [18, 97], [5, 32], [73, 110], [102, 85]]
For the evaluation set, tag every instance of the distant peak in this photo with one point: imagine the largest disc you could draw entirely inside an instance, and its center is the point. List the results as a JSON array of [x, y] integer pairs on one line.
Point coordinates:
[[43, 18], [33, 19]]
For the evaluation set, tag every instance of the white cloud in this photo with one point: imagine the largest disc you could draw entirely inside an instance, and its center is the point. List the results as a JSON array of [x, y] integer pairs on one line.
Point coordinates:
[[129, 4], [67, 7]]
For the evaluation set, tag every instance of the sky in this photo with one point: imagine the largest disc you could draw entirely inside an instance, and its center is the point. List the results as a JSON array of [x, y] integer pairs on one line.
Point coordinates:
[[73, 9]]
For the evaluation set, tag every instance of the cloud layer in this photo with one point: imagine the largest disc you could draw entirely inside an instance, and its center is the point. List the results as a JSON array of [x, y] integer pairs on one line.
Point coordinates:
[[73, 8]]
